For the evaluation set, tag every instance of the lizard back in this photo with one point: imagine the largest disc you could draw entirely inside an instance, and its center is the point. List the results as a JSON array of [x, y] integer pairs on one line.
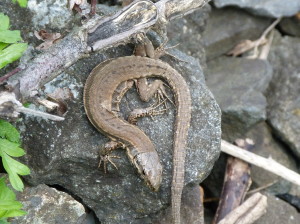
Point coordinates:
[[98, 93]]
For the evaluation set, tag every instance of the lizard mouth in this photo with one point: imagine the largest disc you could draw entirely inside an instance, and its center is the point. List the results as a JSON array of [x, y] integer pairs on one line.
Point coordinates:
[[150, 169]]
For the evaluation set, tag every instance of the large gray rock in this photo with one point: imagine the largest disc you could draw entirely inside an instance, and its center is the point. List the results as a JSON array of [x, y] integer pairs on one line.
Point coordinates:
[[284, 92], [46, 205], [238, 85], [66, 153], [269, 8], [227, 27], [187, 32]]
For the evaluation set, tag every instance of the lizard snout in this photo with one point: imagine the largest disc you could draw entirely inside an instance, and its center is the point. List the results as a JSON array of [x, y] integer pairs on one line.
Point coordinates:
[[150, 169]]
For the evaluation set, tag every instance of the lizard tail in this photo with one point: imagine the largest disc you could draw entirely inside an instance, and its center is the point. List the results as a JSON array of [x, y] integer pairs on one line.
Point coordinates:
[[180, 138]]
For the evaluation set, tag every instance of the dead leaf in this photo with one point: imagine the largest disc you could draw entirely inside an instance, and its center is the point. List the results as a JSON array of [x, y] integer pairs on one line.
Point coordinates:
[[241, 47], [48, 38], [73, 3], [59, 96]]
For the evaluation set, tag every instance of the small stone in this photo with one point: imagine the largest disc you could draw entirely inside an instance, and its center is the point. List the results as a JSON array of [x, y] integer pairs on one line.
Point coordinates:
[[229, 26], [238, 85], [44, 204], [284, 93], [268, 8]]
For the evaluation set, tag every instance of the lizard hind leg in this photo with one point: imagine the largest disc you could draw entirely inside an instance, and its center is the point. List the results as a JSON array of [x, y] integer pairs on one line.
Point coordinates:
[[105, 152], [149, 111]]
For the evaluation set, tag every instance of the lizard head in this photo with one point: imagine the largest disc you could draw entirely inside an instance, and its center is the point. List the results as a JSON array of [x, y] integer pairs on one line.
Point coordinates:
[[150, 169]]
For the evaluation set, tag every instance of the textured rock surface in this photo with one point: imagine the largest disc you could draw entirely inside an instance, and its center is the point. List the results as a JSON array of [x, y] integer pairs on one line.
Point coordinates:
[[238, 85], [290, 26], [191, 208], [227, 27], [51, 13], [187, 32], [44, 204], [66, 153], [279, 211], [270, 8], [284, 92], [267, 146]]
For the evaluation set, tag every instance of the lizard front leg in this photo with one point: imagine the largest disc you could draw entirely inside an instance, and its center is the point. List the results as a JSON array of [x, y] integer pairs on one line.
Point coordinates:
[[105, 156]]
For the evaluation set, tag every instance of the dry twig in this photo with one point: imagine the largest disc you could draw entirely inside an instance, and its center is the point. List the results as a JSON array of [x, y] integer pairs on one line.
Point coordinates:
[[267, 164], [251, 210], [237, 181]]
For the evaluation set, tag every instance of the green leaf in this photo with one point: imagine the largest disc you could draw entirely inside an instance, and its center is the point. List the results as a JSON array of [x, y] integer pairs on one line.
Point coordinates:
[[14, 179], [5, 192], [9, 205], [22, 3], [4, 22], [27, 104], [11, 53], [9, 131], [10, 36], [11, 148], [3, 221], [2, 45], [14, 213], [13, 168]]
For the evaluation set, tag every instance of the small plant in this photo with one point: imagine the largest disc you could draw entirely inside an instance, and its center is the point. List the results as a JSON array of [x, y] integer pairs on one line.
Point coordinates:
[[10, 147], [10, 49], [9, 207], [22, 3]]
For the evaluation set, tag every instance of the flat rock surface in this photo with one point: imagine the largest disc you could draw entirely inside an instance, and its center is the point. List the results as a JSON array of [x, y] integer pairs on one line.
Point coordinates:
[[277, 211], [227, 27], [284, 92], [238, 85], [66, 153], [269, 8], [44, 204]]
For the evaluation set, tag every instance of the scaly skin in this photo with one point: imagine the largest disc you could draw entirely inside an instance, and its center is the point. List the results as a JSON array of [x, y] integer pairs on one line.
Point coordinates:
[[98, 94]]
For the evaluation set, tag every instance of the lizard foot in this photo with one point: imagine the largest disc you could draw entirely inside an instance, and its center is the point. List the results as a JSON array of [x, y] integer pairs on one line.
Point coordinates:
[[143, 112], [106, 159], [105, 156]]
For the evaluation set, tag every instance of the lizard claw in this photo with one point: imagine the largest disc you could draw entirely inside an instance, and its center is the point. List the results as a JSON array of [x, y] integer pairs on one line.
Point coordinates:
[[107, 158], [105, 154]]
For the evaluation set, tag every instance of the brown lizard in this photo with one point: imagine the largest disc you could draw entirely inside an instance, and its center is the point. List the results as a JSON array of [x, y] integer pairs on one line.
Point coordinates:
[[98, 94]]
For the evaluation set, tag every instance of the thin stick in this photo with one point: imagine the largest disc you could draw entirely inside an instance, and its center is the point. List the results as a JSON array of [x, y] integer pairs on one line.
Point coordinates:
[[236, 183], [267, 164], [261, 188], [11, 73], [250, 211], [39, 114]]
